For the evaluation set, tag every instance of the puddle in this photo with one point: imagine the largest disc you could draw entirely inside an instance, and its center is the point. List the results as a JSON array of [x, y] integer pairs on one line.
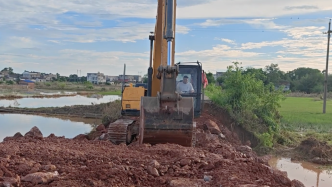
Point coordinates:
[[308, 173], [57, 102], [66, 126]]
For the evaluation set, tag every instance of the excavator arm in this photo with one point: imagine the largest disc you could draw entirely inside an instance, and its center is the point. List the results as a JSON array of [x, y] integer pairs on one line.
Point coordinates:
[[165, 115]]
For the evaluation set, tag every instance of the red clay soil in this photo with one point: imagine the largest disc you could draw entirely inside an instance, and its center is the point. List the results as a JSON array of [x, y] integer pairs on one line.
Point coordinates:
[[217, 160]]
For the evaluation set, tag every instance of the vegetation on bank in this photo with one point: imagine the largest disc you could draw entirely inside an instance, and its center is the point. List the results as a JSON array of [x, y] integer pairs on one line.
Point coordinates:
[[250, 102], [274, 116]]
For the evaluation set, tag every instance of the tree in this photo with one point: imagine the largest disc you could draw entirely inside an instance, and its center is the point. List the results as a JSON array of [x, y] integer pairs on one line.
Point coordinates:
[[220, 79], [4, 69], [311, 83], [259, 74], [10, 70], [145, 78], [57, 76], [274, 74], [210, 78]]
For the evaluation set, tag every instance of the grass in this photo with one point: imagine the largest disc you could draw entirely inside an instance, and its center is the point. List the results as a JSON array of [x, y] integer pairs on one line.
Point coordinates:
[[303, 114], [114, 92]]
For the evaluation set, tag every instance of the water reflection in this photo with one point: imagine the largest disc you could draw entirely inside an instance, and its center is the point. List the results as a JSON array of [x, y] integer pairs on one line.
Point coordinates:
[[308, 173], [66, 126], [57, 102], [57, 93]]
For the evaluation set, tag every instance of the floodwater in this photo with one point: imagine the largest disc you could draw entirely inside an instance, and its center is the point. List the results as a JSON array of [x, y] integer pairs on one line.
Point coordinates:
[[58, 102], [59, 126], [308, 173]]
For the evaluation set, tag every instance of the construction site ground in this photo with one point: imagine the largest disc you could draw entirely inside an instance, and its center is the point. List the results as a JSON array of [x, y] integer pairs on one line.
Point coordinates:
[[221, 158]]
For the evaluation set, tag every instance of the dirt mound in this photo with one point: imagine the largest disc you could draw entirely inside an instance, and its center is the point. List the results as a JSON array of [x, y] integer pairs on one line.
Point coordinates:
[[31, 160], [316, 151], [69, 162]]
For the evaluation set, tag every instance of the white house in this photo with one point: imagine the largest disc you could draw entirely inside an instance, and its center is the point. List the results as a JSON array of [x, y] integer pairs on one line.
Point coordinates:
[[96, 78], [30, 75]]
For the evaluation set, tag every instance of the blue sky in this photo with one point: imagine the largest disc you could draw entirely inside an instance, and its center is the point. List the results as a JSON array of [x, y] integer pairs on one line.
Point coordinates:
[[58, 36]]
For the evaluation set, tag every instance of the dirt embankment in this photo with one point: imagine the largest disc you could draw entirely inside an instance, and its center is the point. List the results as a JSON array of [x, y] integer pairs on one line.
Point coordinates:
[[84, 111], [313, 150], [219, 159]]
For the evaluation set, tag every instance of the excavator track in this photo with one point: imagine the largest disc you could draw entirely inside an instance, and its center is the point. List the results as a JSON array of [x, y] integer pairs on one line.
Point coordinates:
[[122, 131]]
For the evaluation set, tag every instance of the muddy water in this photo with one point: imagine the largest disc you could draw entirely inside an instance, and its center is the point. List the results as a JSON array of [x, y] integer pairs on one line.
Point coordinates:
[[57, 102], [60, 126], [308, 173]]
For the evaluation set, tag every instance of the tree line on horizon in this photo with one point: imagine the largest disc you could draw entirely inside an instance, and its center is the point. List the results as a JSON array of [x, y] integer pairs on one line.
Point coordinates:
[[302, 79]]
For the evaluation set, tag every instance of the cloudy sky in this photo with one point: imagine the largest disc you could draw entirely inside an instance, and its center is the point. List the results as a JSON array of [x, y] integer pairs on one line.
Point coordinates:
[[63, 36]]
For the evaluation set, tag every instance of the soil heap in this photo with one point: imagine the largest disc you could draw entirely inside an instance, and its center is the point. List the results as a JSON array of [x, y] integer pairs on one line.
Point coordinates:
[[219, 159]]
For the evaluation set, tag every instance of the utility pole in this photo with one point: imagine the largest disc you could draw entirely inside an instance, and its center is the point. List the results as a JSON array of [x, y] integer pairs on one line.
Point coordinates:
[[327, 66]]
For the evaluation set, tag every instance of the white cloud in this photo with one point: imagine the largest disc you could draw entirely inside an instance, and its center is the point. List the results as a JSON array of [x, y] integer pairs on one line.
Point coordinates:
[[228, 41]]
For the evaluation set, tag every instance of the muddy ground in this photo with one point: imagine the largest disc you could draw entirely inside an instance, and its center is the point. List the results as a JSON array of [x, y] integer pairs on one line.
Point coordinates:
[[219, 159], [109, 111]]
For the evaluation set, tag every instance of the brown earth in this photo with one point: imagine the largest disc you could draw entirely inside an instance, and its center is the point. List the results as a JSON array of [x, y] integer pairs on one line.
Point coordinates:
[[219, 159], [313, 150]]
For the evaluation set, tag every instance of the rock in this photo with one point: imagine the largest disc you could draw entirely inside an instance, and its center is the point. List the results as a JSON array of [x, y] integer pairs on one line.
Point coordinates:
[[244, 149], [104, 136], [222, 136], [155, 164], [264, 159], [80, 137], [40, 177], [16, 136], [51, 135], [49, 167], [183, 182], [207, 178], [10, 181], [296, 183], [213, 127], [281, 177], [185, 161], [153, 171], [248, 143], [34, 133], [100, 127]]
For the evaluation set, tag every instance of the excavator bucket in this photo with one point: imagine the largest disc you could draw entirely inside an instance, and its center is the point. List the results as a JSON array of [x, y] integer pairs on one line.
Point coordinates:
[[168, 124]]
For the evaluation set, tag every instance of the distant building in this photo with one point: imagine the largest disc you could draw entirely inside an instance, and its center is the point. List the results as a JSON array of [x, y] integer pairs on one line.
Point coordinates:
[[50, 76], [96, 78], [131, 78], [40, 80], [111, 78], [30, 75]]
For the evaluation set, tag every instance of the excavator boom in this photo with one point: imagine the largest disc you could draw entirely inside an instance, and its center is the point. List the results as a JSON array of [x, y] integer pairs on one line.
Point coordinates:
[[167, 117], [165, 114]]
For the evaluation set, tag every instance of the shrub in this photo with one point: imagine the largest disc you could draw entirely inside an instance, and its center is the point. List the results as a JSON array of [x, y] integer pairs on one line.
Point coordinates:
[[111, 112], [251, 103]]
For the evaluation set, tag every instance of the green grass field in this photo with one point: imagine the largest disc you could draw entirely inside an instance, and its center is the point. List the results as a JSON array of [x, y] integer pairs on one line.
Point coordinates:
[[302, 114]]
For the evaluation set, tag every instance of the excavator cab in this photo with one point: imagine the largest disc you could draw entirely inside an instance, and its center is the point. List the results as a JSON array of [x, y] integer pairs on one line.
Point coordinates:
[[192, 70]]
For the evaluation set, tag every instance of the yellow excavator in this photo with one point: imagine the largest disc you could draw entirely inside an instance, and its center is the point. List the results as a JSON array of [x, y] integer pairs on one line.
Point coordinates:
[[166, 111]]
